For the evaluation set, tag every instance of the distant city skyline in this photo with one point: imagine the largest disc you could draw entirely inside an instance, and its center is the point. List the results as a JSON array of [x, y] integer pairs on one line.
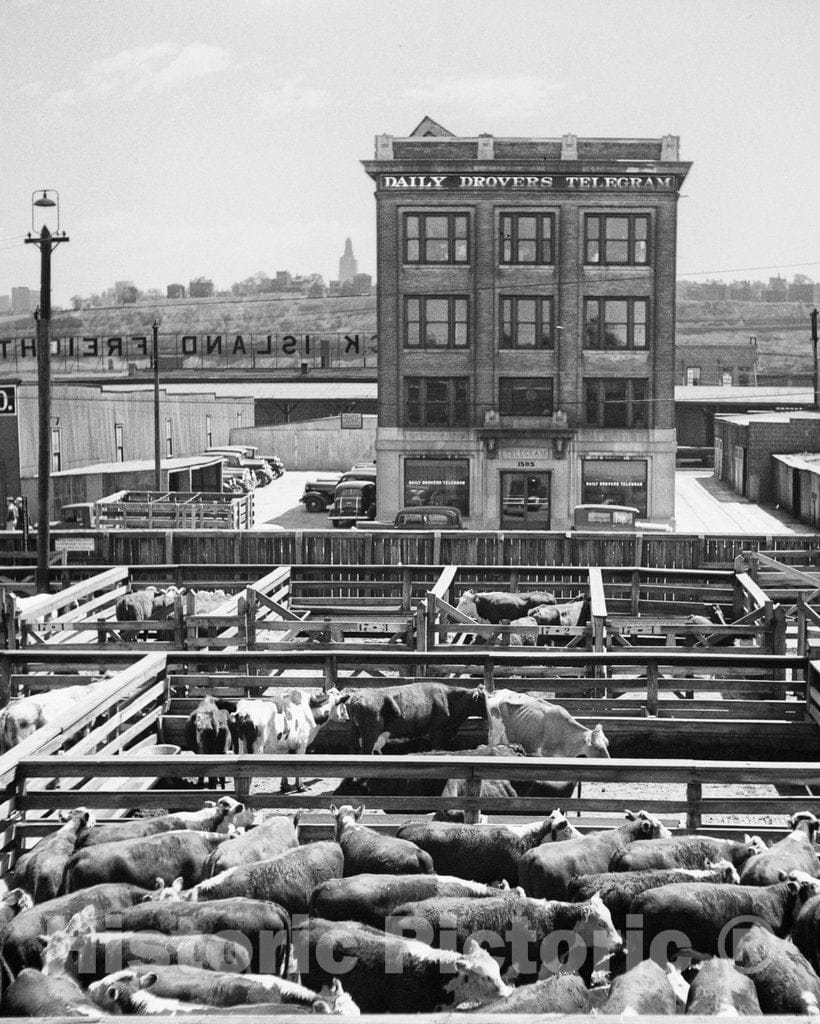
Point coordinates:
[[181, 147]]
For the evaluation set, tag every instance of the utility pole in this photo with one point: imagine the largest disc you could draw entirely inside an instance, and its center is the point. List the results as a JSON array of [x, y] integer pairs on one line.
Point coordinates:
[[46, 243], [813, 316], [155, 359]]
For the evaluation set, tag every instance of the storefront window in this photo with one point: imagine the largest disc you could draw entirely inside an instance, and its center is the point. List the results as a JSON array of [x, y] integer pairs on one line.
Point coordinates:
[[438, 482], [615, 482]]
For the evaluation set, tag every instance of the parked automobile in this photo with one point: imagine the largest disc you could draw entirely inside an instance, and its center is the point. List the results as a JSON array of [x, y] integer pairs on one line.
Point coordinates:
[[355, 498], [251, 452], [232, 461], [319, 492], [420, 517], [614, 518]]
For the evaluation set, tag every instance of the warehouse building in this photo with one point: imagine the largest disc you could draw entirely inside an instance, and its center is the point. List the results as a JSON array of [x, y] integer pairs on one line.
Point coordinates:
[[526, 324]]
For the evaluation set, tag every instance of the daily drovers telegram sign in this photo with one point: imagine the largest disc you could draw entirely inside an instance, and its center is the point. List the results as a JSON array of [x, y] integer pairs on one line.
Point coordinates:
[[537, 182]]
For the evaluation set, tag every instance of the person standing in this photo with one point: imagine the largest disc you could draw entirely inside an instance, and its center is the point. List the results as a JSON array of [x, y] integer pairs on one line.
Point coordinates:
[[12, 514]]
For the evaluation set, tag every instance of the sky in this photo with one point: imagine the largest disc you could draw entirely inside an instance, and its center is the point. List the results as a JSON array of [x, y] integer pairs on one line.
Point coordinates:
[[214, 138]]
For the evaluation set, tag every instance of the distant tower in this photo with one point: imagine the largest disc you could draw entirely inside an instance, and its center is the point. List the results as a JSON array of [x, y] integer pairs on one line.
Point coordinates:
[[348, 264]]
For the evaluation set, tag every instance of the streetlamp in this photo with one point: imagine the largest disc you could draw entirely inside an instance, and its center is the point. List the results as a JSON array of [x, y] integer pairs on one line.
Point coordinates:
[[46, 242]]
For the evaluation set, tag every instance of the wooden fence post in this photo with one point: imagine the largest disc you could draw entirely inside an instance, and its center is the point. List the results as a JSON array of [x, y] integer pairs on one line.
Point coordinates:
[[421, 626], [432, 614], [802, 628], [694, 795], [652, 688], [779, 630], [489, 677], [472, 793]]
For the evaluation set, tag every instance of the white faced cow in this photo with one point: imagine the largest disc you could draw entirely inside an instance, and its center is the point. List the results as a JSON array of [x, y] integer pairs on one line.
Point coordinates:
[[286, 724], [540, 727]]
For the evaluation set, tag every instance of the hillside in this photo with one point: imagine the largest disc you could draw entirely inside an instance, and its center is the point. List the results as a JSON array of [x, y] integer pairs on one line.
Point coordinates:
[[267, 315]]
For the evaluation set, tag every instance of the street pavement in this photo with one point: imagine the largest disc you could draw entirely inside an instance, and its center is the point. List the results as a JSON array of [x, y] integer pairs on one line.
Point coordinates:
[[703, 504]]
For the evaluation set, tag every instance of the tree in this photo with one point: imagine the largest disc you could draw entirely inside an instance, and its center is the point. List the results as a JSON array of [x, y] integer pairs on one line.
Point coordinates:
[[77, 302]]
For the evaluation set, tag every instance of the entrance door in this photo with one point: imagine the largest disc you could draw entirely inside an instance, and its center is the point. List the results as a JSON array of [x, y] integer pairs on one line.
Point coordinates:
[[796, 503], [525, 501]]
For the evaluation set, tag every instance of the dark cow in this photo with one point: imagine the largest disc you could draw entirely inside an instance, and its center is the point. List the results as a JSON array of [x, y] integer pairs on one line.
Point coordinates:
[[207, 731], [547, 870], [366, 850], [707, 638], [794, 853], [21, 941], [618, 889], [645, 988], [416, 709], [562, 993], [264, 925], [263, 842], [494, 605], [288, 879], [147, 990], [684, 852], [142, 861], [719, 988], [41, 871], [686, 916], [85, 953], [522, 925], [485, 853], [409, 786], [34, 994], [145, 605], [371, 898], [384, 973], [214, 817], [783, 977]]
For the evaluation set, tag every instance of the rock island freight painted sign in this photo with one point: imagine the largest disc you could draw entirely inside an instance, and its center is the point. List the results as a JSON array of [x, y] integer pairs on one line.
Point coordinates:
[[536, 182], [263, 349]]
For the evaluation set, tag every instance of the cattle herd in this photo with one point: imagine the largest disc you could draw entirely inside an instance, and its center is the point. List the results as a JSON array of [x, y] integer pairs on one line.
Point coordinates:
[[215, 911], [201, 910]]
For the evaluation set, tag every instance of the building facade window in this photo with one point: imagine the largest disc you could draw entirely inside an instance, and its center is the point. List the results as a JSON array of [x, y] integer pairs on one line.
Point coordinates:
[[169, 439], [119, 443], [615, 323], [436, 238], [726, 378], [56, 454], [438, 482], [436, 321], [693, 375], [610, 402], [209, 434], [436, 401], [526, 322], [527, 238], [616, 239], [614, 482], [525, 396]]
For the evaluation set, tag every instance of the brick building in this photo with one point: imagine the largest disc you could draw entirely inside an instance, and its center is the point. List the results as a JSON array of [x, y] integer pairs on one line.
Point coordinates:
[[745, 444], [526, 324]]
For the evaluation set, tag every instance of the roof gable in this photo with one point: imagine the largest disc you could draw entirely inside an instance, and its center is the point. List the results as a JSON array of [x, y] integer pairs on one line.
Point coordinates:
[[428, 127]]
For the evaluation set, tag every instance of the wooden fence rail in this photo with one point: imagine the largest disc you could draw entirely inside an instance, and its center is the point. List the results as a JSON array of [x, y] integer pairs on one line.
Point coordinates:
[[466, 547]]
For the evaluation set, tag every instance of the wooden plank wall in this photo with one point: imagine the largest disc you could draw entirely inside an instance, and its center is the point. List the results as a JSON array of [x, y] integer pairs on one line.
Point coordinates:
[[466, 547]]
